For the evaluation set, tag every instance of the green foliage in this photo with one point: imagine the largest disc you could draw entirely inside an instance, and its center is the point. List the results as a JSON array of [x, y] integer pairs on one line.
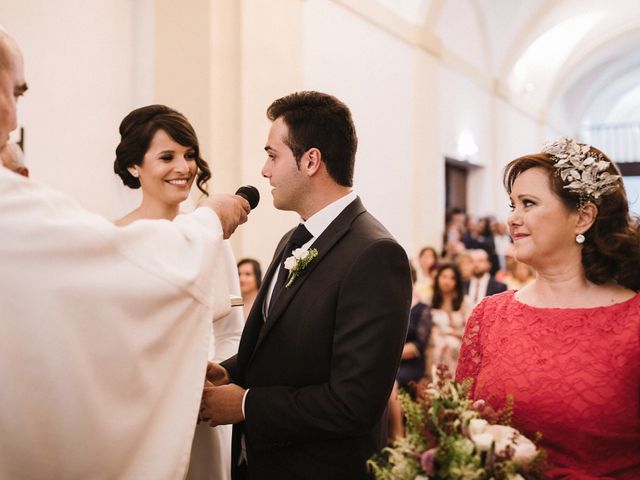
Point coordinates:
[[437, 431]]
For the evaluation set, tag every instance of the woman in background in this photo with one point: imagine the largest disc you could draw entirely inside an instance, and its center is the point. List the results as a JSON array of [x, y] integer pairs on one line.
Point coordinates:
[[428, 263], [518, 274], [159, 153], [566, 346], [449, 313], [250, 276]]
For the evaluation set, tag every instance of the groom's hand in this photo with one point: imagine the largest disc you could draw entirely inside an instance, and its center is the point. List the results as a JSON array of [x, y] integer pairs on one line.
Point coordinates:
[[222, 405], [217, 374]]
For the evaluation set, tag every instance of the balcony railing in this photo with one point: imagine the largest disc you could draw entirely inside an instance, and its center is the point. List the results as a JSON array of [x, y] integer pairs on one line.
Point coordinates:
[[620, 141]]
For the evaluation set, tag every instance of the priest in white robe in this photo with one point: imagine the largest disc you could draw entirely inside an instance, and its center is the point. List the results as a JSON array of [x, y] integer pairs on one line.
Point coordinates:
[[105, 336], [104, 331]]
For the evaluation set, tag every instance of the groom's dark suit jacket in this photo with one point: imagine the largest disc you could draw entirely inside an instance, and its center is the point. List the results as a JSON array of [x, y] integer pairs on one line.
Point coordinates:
[[321, 365]]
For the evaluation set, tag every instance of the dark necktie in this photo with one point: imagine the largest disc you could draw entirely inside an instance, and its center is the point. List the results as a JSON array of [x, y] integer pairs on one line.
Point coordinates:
[[299, 237]]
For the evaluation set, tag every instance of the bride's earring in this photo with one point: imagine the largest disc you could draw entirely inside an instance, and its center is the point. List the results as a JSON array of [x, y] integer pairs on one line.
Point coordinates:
[[135, 173], [580, 239]]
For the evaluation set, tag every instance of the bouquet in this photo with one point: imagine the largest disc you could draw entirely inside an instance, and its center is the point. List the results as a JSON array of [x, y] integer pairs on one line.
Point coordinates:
[[449, 436]]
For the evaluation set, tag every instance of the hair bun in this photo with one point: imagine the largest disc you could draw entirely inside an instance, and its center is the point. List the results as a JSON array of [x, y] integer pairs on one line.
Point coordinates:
[[141, 116]]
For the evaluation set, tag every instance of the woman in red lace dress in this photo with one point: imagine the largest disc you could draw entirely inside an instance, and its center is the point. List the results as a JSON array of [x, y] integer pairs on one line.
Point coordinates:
[[567, 346]]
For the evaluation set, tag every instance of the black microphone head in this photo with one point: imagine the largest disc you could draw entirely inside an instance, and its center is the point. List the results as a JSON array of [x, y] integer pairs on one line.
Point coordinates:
[[250, 194]]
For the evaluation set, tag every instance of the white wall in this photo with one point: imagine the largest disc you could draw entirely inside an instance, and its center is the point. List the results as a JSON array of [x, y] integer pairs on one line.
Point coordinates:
[[461, 32], [79, 62], [371, 72], [517, 134], [464, 106]]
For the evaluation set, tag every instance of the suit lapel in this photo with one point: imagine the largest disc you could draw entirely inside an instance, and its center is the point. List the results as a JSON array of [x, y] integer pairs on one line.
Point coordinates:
[[257, 315], [324, 243]]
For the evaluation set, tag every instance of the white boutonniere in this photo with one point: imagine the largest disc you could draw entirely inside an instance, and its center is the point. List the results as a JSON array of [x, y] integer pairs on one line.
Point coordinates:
[[297, 262]]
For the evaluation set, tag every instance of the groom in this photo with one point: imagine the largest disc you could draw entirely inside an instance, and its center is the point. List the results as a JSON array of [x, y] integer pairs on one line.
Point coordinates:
[[320, 349]]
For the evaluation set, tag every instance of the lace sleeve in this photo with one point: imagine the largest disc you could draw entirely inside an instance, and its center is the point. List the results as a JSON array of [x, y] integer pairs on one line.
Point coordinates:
[[471, 349]]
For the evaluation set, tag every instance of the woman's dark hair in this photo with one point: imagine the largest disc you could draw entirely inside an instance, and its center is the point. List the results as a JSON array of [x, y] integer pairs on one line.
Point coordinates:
[[138, 128], [322, 121], [414, 274], [437, 299], [257, 271], [611, 251]]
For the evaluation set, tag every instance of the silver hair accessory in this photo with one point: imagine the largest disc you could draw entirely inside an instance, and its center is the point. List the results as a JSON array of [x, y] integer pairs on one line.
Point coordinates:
[[580, 238], [583, 171]]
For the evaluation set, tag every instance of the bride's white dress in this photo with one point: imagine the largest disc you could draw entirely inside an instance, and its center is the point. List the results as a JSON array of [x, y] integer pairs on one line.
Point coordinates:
[[211, 449]]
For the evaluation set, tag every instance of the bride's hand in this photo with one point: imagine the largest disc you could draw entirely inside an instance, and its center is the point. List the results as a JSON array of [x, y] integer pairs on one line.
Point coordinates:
[[217, 375]]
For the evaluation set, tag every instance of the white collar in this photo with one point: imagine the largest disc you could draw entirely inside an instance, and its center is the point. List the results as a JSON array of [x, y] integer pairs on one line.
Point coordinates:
[[319, 221]]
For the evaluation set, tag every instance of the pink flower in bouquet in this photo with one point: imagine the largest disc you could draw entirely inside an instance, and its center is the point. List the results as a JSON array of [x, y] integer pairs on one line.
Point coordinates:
[[428, 461]]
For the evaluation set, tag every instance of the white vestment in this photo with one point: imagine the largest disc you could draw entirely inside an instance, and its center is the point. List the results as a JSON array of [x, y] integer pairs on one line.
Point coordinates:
[[104, 335], [211, 450]]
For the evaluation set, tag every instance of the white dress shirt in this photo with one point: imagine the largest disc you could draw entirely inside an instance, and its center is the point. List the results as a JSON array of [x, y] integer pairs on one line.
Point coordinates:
[[316, 224], [478, 288]]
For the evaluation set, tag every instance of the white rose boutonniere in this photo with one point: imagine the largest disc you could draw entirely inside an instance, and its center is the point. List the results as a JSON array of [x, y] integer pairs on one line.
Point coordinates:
[[297, 262]]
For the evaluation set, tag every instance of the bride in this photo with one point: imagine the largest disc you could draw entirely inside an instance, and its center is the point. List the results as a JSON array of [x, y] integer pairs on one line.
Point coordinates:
[[159, 153]]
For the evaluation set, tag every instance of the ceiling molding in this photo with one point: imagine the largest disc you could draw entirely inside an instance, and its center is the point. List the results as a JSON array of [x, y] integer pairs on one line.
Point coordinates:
[[425, 39], [578, 58], [389, 21], [523, 40], [433, 15]]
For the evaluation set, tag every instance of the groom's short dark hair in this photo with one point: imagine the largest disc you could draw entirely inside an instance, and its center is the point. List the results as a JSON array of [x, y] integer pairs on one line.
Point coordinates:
[[322, 121]]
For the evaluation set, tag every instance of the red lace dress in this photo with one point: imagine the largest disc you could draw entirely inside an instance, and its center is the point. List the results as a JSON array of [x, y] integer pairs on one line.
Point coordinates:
[[574, 374]]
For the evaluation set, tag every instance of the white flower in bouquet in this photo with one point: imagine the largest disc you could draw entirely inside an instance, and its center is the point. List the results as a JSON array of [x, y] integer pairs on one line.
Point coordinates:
[[504, 436], [482, 441], [477, 425]]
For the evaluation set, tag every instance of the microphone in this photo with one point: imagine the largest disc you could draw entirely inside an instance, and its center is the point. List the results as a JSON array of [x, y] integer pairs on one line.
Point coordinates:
[[250, 194]]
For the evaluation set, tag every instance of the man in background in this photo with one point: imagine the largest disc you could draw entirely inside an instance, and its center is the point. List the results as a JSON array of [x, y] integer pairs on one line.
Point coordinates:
[[482, 284]]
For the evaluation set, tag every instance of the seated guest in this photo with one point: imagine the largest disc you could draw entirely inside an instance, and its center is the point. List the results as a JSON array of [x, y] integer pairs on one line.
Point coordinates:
[[428, 263], [160, 154], [565, 346], [449, 313], [412, 363], [481, 284], [502, 243], [464, 262], [518, 274], [250, 275]]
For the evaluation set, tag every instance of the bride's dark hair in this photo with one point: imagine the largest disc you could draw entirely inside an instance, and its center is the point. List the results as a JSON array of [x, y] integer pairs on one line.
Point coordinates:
[[138, 128], [611, 251]]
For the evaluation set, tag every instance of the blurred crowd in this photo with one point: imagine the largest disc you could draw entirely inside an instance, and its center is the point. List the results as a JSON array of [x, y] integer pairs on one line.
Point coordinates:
[[476, 261]]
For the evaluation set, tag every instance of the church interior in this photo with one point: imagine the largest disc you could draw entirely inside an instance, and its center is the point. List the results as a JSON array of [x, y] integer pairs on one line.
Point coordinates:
[[443, 93]]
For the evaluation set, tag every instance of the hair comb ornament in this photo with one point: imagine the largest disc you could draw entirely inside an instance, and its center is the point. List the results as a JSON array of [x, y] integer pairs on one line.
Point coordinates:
[[582, 170]]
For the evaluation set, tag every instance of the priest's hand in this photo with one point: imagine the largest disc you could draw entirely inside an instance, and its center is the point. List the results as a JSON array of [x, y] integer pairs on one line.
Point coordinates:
[[222, 405], [217, 374], [232, 210]]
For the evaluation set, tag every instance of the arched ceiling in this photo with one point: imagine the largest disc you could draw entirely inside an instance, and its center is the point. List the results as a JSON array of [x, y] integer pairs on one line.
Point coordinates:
[[568, 60]]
